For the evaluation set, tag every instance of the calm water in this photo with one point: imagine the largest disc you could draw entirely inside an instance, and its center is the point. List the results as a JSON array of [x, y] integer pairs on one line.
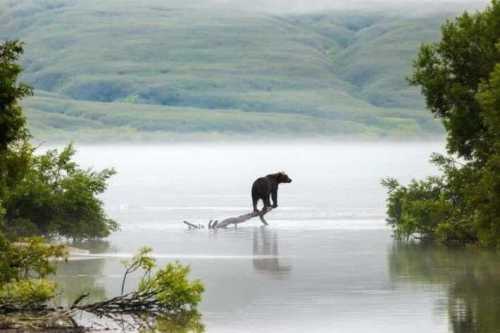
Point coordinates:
[[326, 262]]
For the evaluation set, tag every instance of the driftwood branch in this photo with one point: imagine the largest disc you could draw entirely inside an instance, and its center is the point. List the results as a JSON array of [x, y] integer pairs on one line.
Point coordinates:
[[133, 309], [131, 303], [215, 224]]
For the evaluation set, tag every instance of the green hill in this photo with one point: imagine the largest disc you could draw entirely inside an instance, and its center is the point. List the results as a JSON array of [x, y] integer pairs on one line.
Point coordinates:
[[123, 70]]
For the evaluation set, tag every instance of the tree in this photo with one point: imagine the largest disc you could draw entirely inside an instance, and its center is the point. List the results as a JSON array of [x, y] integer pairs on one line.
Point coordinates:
[[12, 120], [460, 79], [450, 73], [42, 194]]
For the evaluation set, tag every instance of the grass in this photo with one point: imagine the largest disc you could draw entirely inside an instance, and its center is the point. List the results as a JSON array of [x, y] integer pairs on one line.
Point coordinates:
[[114, 69]]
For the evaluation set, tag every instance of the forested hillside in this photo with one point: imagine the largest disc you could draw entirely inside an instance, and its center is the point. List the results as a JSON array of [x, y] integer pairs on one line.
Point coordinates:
[[123, 70]]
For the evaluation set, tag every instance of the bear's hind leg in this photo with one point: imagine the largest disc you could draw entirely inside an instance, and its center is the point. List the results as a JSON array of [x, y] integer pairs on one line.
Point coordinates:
[[254, 203]]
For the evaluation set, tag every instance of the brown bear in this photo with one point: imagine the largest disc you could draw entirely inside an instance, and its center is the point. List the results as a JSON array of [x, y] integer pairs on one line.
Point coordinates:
[[265, 187]]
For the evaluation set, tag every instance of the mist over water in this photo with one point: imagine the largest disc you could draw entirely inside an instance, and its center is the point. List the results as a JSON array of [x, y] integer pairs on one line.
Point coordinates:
[[327, 261], [159, 186]]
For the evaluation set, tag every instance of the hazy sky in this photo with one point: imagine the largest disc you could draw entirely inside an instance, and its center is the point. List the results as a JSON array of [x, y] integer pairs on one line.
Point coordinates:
[[317, 5], [404, 7]]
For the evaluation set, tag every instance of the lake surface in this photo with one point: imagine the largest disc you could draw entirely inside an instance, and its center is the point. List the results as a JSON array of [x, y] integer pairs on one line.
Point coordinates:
[[326, 262]]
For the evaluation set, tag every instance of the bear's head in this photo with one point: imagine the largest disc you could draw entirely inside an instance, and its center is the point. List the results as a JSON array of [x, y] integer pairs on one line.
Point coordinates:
[[282, 177]]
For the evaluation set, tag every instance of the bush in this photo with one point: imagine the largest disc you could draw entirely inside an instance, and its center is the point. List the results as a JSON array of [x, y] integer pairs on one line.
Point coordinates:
[[443, 208], [27, 294], [169, 288], [24, 265], [27, 258], [416, 209], [49, 194], [172, 288]]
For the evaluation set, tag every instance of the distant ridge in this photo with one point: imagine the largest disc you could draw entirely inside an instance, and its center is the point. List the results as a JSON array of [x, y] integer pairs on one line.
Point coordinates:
[[119, 70]]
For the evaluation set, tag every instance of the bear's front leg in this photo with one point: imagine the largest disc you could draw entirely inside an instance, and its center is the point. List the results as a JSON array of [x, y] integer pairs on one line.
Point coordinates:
[[274, 195], [267, 203]]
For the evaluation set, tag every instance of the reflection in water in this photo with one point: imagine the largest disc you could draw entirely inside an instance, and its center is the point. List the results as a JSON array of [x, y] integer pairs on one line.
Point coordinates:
[[92, 245], [74, 278], [266, 253], [471, 276], [185, 322], [188, 321]]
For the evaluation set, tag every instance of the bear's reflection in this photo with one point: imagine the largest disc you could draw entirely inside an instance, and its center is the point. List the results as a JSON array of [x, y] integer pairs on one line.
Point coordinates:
[[266, 253]]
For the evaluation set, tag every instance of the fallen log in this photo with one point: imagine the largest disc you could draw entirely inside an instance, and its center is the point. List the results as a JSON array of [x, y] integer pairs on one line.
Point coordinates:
[[232, 220]]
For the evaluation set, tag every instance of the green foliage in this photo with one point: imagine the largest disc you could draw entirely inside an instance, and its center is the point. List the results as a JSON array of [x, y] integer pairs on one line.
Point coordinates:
[[49, 194], [12, 121], [169, 286], [172, 288], [28, 258], [416, 209], [460, 78], [27, 293], [450, 73], [487, 196], [140, 261], [436, 208], [24, 265]]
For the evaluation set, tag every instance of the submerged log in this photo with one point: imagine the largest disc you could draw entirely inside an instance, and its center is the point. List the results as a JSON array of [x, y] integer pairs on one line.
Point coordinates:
[[191, 225], [232, 220]]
